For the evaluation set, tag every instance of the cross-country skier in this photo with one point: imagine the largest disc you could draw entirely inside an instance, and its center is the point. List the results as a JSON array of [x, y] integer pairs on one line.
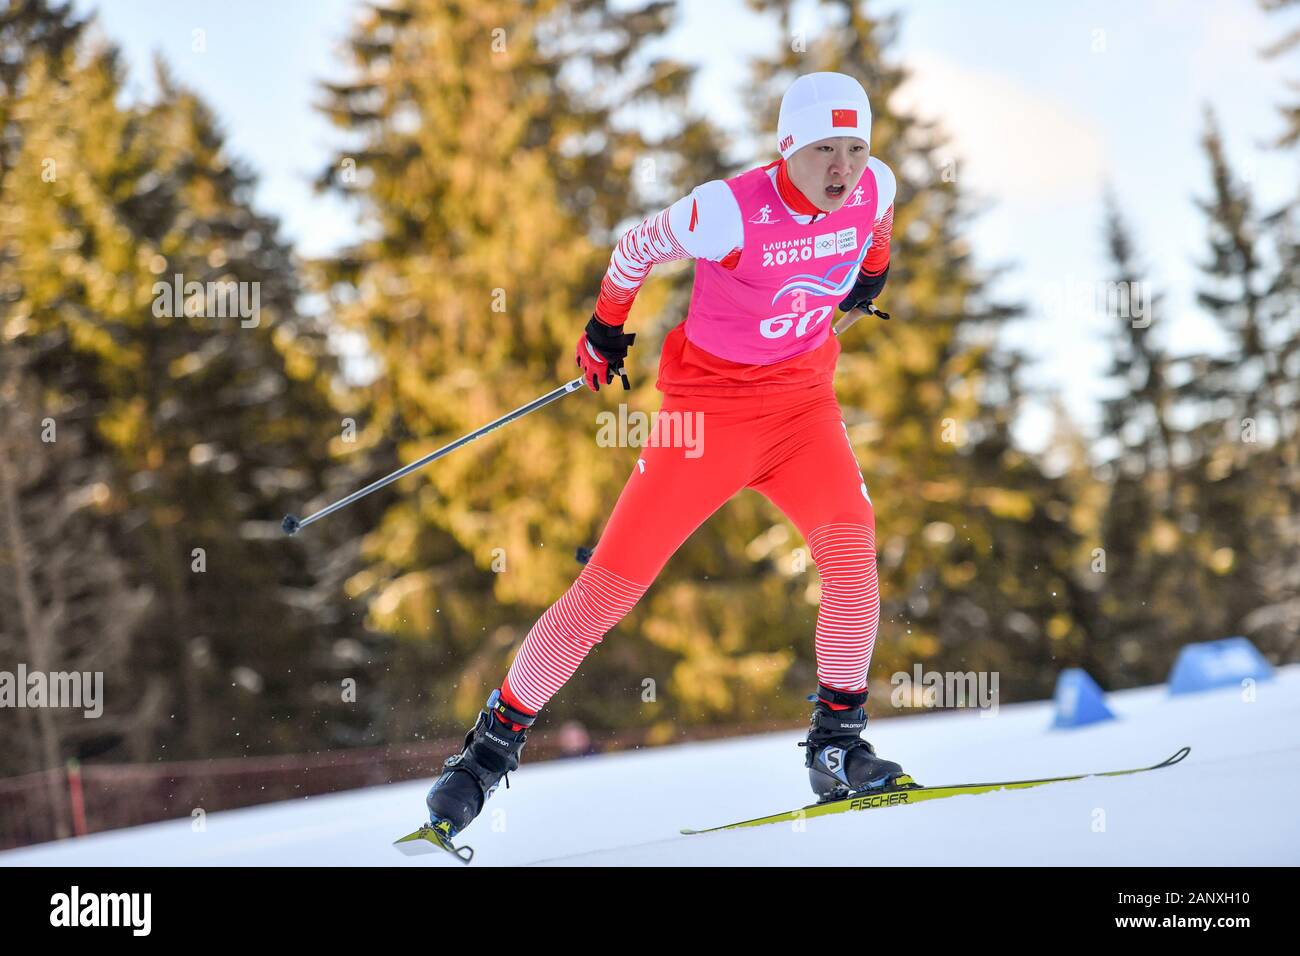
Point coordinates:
[[776, 249]]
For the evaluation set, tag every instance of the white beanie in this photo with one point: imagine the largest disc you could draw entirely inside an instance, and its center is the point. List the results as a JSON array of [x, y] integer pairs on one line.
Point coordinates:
[[821, 105]]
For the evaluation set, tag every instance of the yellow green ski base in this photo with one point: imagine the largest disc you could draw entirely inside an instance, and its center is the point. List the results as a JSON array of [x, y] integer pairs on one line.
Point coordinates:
[[909, 793], [427, 839]]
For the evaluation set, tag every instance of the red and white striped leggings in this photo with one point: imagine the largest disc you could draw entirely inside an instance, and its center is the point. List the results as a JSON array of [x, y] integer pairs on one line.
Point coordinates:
[[792, 447]]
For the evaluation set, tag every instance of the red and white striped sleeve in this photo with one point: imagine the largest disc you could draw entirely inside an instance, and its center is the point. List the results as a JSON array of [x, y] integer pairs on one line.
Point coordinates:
[[703, 225], [877, 259]]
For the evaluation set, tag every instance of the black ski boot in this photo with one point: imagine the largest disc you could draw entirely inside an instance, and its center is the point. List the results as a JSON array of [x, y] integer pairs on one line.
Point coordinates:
[[839, 761], [468, 778]]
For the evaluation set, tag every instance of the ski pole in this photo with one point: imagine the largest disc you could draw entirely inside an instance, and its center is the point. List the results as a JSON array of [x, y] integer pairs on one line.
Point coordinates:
[[292, 524], [855, 314]]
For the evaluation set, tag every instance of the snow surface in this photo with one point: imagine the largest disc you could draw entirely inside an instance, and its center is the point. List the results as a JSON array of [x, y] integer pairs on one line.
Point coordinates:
[[1232, 801]]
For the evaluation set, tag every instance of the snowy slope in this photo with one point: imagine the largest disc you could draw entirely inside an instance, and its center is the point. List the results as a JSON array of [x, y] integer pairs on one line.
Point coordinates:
[[1233, 801]]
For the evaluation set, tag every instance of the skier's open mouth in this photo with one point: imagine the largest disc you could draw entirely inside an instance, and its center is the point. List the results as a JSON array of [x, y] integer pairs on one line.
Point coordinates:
[[835, 192]]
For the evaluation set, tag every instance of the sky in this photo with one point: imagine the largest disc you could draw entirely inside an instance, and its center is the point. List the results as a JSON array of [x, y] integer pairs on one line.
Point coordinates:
[[1046, 105]]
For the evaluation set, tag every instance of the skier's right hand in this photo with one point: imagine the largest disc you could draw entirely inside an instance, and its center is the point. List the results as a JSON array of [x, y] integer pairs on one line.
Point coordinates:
[[602, 349]]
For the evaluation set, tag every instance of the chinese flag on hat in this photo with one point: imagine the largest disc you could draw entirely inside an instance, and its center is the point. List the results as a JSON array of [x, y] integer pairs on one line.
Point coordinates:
[[844, 118]]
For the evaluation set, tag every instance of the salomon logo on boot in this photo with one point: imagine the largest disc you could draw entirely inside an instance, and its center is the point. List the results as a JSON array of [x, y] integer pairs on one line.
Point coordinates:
[[833, 759]]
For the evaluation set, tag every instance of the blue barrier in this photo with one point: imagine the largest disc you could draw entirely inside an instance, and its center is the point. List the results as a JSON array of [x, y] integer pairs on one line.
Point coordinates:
[[1217, 664], [1079, 701]]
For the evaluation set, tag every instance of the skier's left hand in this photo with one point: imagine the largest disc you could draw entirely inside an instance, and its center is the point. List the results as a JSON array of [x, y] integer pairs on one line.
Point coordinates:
[[866, 289]]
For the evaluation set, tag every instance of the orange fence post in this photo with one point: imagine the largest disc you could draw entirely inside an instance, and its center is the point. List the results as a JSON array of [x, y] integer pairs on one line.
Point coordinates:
[[76, 797]]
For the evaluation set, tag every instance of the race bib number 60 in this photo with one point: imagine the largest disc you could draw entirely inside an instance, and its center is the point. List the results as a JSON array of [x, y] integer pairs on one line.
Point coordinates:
[[779, 325]]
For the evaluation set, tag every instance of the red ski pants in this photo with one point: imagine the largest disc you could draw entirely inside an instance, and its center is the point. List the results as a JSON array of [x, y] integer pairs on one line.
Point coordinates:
[[792, 447]]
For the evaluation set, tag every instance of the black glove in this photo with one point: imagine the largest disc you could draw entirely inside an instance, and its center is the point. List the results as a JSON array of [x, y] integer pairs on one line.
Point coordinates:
[[866, 289], [610, 343]]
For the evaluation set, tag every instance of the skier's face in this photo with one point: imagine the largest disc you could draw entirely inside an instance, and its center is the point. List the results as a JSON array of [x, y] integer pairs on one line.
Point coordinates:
[[826, 171]]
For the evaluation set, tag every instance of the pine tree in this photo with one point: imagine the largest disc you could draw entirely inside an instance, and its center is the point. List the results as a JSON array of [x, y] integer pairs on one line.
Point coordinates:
[[1250, 428], [1151, 591], [210, 423], [1138, 419], [29, 28], [66, 606], [1288, 42], [1280, 611], [1241, 298]]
